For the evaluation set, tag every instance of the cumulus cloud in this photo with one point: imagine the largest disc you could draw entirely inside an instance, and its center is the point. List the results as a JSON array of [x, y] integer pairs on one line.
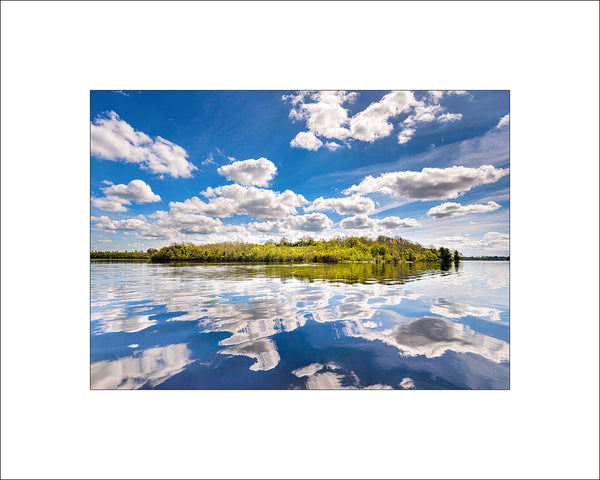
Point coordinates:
[[504, 122], [217, 207], [275, 227], [312, 222], [392, 223], [405, 135], [387, 223], [135, 191], [106, 224], [116, 140], [185, 223], [353, 205], [430, 183], [373, 122], [257, 202], [422, 113], [306, 140], [452, 209], [425, 111], [250, 172], [117, 196], [236, 199], [165, 224], [326, 116], [358, 222], [109, 204]]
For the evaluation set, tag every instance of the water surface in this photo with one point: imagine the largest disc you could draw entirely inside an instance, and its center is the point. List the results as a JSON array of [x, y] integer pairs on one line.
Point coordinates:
[[243, 326]]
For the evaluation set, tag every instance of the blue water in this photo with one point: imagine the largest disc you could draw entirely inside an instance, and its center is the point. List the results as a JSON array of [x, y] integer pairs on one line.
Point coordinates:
[[240, 326]]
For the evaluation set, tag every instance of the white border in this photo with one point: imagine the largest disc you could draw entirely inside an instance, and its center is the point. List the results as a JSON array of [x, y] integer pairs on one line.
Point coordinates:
[[546, 53]]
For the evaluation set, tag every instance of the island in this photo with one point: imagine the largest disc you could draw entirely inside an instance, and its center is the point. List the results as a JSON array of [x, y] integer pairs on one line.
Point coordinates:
[[338, 250]]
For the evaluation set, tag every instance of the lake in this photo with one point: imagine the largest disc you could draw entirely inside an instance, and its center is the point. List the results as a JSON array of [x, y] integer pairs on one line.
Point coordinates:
[[273, 326]]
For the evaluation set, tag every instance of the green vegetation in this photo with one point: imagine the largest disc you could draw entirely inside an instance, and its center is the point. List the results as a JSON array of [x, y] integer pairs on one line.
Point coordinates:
[[339, 250]]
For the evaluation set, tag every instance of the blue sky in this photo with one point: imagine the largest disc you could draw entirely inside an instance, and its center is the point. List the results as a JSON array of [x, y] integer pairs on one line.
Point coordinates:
[[201, 166]]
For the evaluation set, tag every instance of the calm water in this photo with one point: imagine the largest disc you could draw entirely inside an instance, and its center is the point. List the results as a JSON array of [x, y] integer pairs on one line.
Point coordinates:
[[241, 326]]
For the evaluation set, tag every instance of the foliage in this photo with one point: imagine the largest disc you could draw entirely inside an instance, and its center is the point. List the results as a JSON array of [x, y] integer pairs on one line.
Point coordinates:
[[339, 250]]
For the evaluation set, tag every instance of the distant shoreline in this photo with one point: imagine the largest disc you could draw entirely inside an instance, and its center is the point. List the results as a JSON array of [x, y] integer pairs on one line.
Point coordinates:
[[504, 259], [340, 250]]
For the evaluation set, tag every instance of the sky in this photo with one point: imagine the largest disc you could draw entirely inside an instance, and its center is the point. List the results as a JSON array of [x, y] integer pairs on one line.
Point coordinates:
[[259, 166]]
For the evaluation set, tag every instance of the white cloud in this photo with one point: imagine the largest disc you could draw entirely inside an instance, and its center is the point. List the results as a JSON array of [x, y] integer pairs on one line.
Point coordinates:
[[407, 383], [117, 196], [185, 223], [332, 146], [106, 224], [504, 121], [217, 207], [387, 223], [256, 202], [250, 172], [352, 205], [372, 123], [357, 222], [109, 204], [405, 135], [306, 140], [492, 243], [312, 222], [275, 227], [430, 183], [449, 117], [423, 113], [326, 117], [135, 191], [452, 209], [392, 223], [236, 199], [116, 140]]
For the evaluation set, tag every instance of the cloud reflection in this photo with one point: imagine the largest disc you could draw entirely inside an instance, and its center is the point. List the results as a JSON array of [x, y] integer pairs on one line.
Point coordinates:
[[251, 309], [153, 366], [448, 309], [263, 351], [332, 377], [432, 337]]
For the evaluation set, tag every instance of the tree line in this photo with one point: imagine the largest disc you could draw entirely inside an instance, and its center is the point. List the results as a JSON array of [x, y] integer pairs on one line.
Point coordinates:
[[338, 250]]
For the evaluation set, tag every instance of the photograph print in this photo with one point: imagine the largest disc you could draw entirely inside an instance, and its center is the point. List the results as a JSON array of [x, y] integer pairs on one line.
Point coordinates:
[[322, 239]]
